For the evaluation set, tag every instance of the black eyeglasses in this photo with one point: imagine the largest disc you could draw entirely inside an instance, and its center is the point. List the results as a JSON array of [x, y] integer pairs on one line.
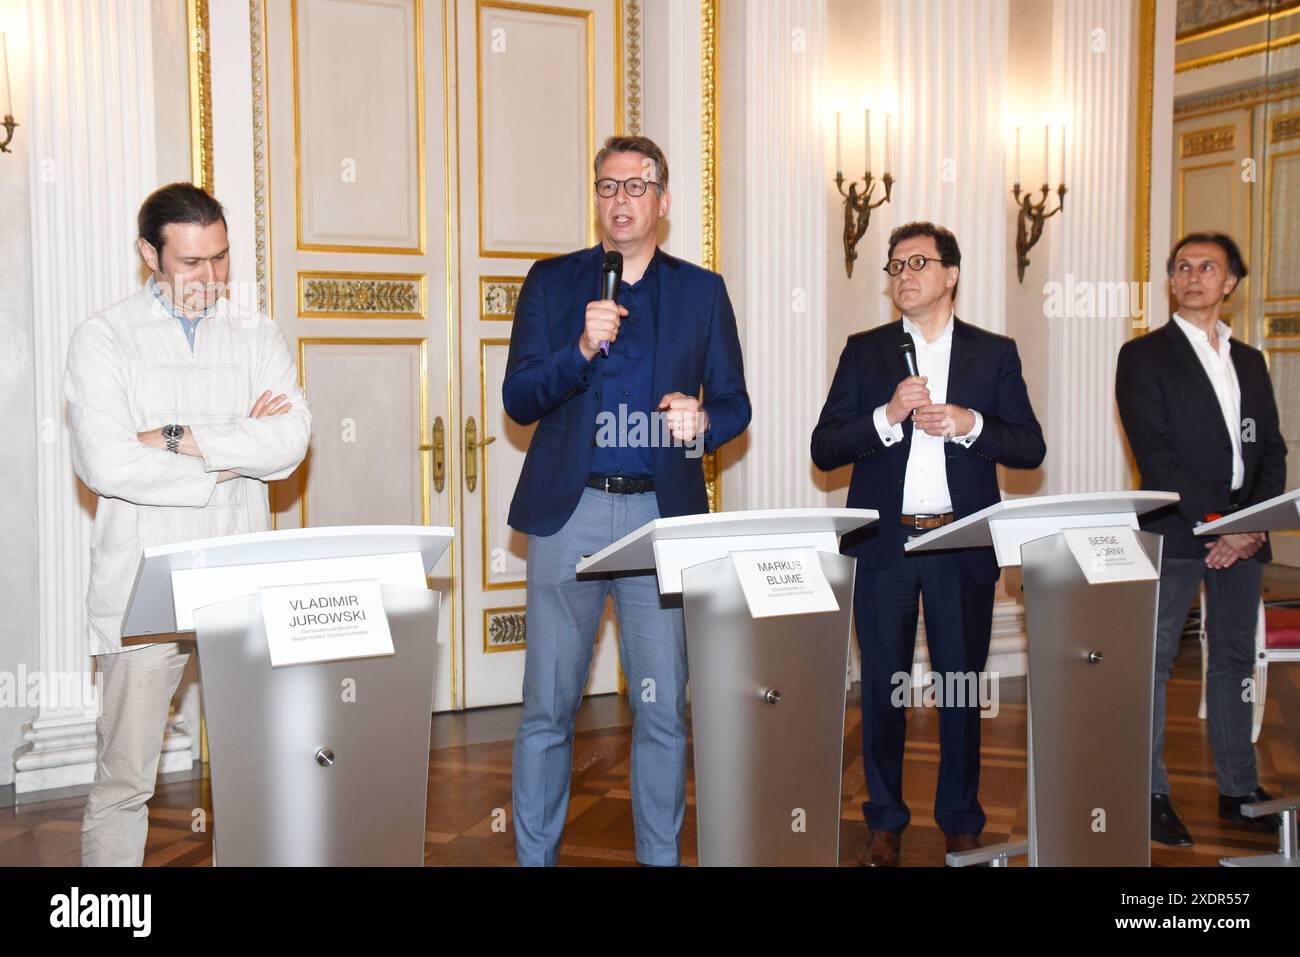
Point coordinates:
[[915, 263], [608, 188]]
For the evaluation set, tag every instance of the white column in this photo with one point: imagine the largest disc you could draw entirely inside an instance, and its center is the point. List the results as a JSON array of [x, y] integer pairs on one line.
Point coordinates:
[[948, 60], [671, 44], [774, 242], [1087, 300], [91, 149]]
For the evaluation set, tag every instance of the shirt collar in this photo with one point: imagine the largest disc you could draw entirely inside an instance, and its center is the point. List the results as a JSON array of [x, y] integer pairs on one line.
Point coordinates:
[[919, 338], [1197, 334], [170, 308]]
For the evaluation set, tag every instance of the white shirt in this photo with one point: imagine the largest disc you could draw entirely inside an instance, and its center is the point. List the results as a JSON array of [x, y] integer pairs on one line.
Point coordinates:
[[925, 484], [1227, 389], [130, 370]]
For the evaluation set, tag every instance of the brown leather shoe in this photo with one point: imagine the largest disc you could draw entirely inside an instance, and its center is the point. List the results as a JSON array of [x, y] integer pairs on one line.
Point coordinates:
[[879, 850], [960, 842]]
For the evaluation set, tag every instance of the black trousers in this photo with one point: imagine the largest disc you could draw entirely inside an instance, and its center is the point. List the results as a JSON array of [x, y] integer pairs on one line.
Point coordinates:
[[958, 623]]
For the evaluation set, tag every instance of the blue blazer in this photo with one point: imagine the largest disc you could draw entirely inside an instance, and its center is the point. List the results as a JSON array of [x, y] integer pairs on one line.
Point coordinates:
[[696, 344], [984, 375]]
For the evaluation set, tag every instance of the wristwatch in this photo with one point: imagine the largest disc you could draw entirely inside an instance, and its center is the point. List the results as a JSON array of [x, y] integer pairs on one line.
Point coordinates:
[[173, 434]]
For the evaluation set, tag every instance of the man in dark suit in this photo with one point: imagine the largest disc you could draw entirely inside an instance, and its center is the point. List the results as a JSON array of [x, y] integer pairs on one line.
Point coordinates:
[[925, 451], [1198, 409], [619, 441]]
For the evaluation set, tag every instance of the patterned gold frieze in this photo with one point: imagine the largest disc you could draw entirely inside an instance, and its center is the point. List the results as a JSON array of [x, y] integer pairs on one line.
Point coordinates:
[[360, 296], [498, 296], [1202, 142], [504, 629]]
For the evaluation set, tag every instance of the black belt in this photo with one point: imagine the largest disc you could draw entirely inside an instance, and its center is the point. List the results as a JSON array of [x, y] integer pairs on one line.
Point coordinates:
[[621, 484]]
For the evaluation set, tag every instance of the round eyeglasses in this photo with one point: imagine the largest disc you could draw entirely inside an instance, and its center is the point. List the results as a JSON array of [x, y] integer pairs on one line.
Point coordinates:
[[915, 263], [608, 188]]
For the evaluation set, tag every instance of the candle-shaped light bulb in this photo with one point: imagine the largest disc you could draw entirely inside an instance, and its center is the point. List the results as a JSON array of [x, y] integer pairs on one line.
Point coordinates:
[[1047, 141], [4, 77], [889, 152], [1017, 155], [839, 164], [1061, 180], [866, 126]]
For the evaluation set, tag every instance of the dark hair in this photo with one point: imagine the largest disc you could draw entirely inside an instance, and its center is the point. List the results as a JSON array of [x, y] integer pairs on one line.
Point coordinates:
[[635, 144], [944, 241], [176, 203], [1236, 264]]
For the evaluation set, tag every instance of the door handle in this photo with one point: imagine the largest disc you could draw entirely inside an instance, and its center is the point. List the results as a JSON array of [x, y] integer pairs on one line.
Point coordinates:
[[439, 449], [472, 445]]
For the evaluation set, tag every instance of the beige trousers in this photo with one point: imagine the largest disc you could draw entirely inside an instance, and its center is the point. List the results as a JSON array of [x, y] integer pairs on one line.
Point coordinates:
[[136, 688]]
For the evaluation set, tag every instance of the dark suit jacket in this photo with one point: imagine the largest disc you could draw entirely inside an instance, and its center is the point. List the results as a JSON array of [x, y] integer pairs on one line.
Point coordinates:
[[1178, 436], [696, 345], [984, 375]]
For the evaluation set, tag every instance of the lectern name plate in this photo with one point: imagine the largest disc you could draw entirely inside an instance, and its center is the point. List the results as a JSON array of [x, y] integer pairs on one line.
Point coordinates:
[[783, 581], [325, 622], [1109, 554]]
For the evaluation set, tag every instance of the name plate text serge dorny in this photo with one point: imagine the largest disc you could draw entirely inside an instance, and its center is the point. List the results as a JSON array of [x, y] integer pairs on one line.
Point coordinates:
[[784, 581], [1107, 555], [325, 621]]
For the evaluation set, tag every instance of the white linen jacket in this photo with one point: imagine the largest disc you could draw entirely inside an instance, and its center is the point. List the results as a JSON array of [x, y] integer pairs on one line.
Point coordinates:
[[130, 370]]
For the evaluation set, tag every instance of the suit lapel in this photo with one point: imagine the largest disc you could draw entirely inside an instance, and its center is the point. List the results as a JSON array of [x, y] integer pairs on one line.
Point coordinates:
[[672, 302], [960, 361], [893, 361]]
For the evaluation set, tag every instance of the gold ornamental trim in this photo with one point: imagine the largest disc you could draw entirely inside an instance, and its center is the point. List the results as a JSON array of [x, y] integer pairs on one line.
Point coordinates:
[[337, 295], [1220, 139], [196, 12]]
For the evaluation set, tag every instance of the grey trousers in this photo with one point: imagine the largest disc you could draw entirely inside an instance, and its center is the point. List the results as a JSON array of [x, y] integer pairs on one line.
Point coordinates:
[[136, 688], [1232, 609]]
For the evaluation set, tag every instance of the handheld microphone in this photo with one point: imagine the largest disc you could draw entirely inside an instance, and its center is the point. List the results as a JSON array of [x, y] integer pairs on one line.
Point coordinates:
[[907, 352], [611, 274]]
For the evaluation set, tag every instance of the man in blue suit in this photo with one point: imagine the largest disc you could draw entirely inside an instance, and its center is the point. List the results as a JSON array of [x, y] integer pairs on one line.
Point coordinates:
[[925, 451], [619, 441]]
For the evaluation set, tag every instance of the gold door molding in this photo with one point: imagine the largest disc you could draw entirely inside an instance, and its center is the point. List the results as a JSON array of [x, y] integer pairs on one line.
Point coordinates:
[[417, 7]]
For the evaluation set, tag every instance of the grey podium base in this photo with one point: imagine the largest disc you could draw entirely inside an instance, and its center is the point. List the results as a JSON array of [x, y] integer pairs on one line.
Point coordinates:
[[1091, 667], [320, 764], [767, 706]]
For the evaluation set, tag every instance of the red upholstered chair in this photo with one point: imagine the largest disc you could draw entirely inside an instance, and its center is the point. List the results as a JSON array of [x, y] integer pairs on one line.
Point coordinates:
[[1277, 638]]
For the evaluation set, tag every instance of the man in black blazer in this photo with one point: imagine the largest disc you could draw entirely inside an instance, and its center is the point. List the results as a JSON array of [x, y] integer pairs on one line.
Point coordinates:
[[1199, 412], [925, 451]]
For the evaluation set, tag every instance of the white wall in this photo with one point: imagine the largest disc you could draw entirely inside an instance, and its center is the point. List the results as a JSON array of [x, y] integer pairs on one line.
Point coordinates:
[[18, 623]]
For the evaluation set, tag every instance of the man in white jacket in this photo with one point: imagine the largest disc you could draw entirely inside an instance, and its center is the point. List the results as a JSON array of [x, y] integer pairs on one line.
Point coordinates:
[[182, 407]]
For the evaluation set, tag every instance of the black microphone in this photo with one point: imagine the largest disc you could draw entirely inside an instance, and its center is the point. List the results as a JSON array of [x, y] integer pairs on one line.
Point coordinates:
[[611, 274], [907, 352]]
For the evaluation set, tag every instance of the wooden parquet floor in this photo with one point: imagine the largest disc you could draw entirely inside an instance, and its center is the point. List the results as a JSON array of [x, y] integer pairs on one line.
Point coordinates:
[[469, 791]]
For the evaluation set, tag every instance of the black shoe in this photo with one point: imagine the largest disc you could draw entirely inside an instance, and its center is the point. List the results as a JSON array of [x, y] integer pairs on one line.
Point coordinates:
[[1230, 810], [1166, 828]]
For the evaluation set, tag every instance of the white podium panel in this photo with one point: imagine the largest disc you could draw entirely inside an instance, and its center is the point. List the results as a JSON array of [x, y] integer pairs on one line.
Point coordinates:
[[322, 762], [669, 545]]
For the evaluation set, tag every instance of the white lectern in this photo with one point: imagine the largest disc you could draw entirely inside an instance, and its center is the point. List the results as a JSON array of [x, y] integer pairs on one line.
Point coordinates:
[[1278, 514], [1091, 583], [318, 763], [767, 692]]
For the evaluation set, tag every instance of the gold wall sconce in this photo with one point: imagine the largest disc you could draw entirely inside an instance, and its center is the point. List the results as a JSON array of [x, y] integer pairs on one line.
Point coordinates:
[[6, 101], [858, 202], [1033, 215]]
